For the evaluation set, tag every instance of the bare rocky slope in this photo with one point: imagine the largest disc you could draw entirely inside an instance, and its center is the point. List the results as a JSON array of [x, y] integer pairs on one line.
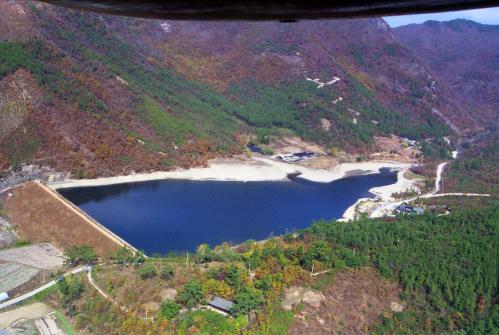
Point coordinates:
[[101, 95]]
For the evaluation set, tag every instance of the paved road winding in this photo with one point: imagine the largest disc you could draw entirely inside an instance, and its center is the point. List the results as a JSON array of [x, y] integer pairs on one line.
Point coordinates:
[[383, 208], [38, 290]]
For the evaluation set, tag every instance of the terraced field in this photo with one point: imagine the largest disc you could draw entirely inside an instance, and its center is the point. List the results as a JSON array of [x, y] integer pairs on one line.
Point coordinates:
[[14, 275]]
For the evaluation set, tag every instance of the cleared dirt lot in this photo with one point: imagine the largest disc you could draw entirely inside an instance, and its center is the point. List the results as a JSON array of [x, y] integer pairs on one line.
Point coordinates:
[[353, 302], [33, 311], [40, 215], [41, 256]]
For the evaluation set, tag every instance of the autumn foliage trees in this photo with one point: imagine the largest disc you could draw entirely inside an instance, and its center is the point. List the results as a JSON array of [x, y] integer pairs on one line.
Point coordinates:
[[445, 265]]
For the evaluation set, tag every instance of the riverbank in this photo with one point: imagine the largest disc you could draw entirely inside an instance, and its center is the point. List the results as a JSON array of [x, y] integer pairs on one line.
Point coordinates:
[[254, 169]]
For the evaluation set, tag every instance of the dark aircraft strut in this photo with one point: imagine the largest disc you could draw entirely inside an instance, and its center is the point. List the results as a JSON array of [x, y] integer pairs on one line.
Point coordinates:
[[286, 10]]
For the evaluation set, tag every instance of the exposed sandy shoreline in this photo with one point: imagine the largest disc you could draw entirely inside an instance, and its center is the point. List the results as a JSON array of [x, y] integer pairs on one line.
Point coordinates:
[[350, 211], [260, 169]]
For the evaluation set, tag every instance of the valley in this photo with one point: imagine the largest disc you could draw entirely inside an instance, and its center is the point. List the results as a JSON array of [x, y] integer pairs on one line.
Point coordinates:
[[244, 177], [148, 102]]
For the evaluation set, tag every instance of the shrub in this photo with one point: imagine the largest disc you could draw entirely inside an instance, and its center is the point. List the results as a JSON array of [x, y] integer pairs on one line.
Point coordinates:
[[191, 295], [169, 310], [147, 271], [167, 272], [123, 256], [217, 287], [268, 151], [80, 254], [204, 253], [71, 288], [245, 301], [233, 277]]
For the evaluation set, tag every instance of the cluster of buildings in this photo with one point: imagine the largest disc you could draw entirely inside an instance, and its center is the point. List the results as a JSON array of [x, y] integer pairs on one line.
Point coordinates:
[[296, 157], [409, 143], [408, 209]]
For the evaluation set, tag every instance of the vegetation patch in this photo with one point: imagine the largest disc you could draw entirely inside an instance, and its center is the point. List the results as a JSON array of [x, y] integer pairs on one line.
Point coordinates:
[[475, 170], [21, 145], [426, 255], [66, 326], [206, 322], [418, 274], [353, 302], [168, 127], [300, 106]]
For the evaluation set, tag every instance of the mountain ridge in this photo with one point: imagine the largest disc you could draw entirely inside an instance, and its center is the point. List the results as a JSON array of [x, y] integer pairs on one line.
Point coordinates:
[[464, 53], [120, 95]]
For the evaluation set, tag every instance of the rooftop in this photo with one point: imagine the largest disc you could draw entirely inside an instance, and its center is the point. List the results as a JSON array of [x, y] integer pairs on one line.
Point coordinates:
[[221, 303]]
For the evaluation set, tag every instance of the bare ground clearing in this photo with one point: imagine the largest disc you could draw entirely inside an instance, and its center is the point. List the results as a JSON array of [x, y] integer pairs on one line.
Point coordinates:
[[41, 256], [33, 311], [353, 302]]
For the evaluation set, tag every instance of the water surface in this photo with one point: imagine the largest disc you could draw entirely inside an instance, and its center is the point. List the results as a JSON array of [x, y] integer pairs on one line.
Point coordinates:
[[178, 215]]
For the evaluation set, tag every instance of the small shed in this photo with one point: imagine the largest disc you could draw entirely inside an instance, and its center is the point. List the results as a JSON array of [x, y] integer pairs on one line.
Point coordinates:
[[221, 304], [3, 296]]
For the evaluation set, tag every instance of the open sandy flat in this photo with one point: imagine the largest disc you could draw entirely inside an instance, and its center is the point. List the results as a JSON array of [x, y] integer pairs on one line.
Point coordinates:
[[255, 169]]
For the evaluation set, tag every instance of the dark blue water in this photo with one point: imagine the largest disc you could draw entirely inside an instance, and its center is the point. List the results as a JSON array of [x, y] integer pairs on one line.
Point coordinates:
[[178, 215]]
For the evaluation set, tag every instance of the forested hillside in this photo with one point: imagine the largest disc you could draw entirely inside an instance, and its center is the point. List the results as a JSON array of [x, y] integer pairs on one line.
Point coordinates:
[[464, 54], [445, 265], [100, 95], [475, 170], [440, 271]]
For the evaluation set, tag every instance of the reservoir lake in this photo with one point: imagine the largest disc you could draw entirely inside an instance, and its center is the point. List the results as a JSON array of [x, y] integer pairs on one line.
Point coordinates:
[[178, 215]]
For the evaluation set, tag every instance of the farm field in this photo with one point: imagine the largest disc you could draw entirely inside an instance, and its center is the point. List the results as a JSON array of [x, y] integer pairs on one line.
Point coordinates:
[[14, 275]]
